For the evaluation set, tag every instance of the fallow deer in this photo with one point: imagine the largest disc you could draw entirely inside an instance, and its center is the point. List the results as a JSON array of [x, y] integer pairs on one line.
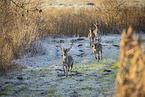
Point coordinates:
[[94, 33], [97, 49], [91, 36], [97, 32], [67, 61]]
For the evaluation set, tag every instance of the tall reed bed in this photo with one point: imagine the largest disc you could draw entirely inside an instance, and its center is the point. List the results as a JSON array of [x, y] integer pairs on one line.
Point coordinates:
[[69, 21], [130, 81]]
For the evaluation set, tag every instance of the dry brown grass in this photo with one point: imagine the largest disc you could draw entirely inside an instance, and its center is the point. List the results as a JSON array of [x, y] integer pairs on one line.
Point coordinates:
[[130, 81], [69, 21], [18, 29]]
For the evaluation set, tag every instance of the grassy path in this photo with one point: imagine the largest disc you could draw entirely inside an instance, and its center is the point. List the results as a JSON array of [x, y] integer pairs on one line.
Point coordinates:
[[89, 77]]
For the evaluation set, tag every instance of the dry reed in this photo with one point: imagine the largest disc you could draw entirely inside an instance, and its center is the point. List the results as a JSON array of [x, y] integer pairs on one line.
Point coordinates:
[[130, 81], [69, 21]]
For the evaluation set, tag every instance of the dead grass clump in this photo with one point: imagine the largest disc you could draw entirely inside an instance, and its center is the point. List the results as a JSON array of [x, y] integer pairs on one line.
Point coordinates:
[[130, 81]]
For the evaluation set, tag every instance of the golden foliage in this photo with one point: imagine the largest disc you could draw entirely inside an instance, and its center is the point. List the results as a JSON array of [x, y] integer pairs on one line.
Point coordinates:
[[130, 81], [18, 29]]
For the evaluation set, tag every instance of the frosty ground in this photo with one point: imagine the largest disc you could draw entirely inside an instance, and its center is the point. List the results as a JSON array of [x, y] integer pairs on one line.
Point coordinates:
[[42, 74]]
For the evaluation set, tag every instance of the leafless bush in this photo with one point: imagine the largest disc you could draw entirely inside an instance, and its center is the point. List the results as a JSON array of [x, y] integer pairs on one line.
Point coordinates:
[[20, 25]]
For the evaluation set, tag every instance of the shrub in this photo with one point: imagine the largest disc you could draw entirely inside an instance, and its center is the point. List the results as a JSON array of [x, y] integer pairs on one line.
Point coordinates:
[[18, 29]]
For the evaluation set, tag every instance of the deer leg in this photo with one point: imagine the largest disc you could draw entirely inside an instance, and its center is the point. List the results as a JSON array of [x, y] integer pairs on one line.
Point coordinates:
[[95, 56], [98, 56], [66, 68], [70, 70], [90, 42], [95, 39], [71, 67], [101, 54], [63, 67]]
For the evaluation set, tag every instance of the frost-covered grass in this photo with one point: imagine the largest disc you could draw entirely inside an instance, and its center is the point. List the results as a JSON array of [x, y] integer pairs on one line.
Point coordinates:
[[53, 54], [40, 75]]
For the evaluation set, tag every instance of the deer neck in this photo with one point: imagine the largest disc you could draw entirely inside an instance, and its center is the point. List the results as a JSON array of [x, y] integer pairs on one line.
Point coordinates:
[[96, 45], [65, 57], [91, 31]]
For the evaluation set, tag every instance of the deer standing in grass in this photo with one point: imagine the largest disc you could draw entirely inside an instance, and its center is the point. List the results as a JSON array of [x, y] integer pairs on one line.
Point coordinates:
[[97, 49], [97, 32], [94, 32], [67, 62]]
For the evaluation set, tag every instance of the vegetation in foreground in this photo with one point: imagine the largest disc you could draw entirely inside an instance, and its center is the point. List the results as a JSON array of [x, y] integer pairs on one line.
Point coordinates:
[[130, 79]]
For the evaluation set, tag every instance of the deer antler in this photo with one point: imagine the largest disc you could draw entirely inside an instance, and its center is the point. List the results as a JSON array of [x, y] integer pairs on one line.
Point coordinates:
[[71, 46], [90, 29], [95, 24], [60, 46]]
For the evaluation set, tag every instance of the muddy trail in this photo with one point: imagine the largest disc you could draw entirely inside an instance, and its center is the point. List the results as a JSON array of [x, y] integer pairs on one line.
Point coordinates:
[[42, 74]]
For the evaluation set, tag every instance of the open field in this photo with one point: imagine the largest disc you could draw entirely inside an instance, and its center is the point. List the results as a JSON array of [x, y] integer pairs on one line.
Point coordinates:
[[42, 74]]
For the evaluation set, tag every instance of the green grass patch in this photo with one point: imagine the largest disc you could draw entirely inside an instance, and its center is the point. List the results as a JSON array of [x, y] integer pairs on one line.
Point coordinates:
[[114, 66], [110, 79], [3, 93], [51, 92], [45, 69], [7, 90]]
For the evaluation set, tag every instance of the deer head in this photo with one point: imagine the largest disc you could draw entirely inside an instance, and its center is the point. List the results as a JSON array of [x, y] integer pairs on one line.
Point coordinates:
[[97, 25], [99, 39], [65, 50]]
